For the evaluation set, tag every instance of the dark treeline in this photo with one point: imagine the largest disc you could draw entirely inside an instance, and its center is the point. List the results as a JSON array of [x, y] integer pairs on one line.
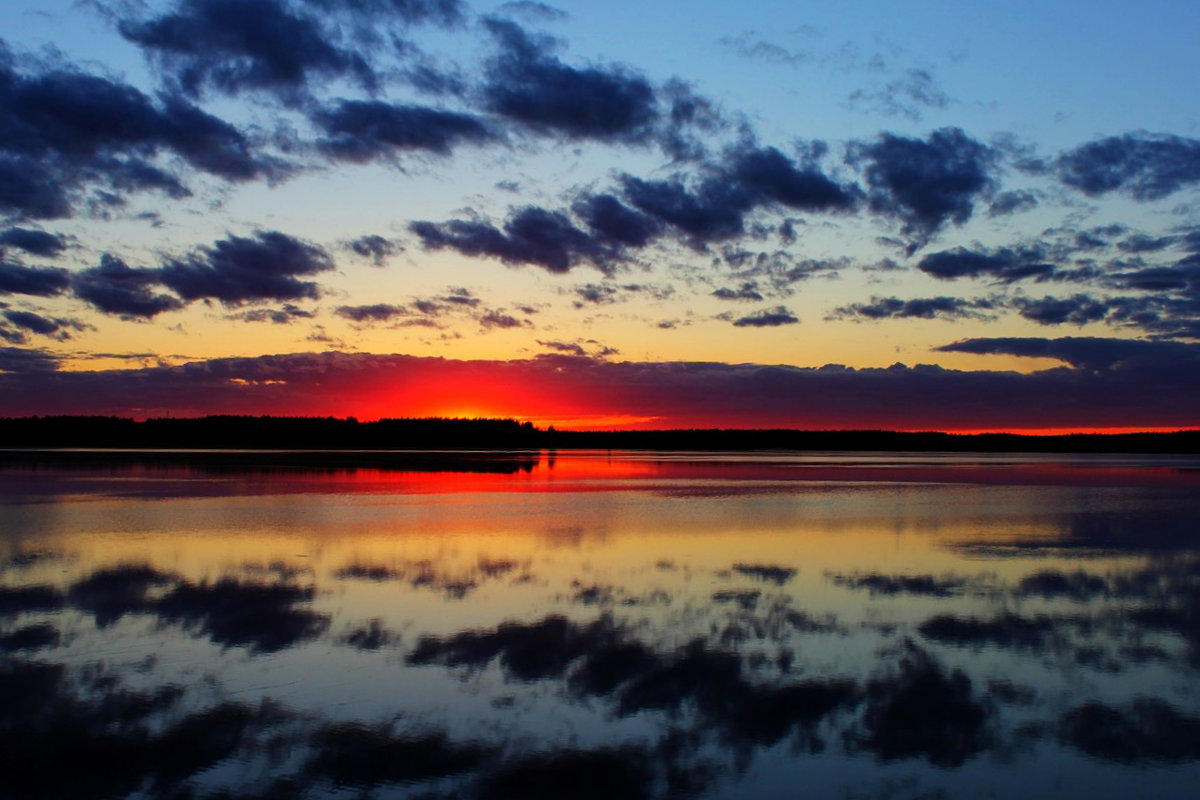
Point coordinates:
[[329, 433]]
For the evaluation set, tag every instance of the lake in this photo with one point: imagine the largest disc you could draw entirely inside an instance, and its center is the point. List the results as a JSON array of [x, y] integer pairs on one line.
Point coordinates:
[[600, 624]]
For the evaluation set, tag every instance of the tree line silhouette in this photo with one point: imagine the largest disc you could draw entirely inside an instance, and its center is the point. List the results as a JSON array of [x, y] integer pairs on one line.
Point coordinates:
[[439, 433]]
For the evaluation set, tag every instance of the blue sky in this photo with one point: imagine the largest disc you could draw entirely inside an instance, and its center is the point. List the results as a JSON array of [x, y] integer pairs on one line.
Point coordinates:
[[980, 188]]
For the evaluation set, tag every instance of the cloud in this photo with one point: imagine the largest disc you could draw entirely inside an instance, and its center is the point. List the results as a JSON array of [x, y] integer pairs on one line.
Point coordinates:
[[903, 97], [279, 316], [775, 178], [532, 235], [920, 308], [754, 49], [767, 318], [533, 12], [66, 130], [713, 211], [426, 311], [39, 281], [714, 208], [925, 183], [1078, 309], [1089, 353], [445, 13], [236, 270], [1183, 276], [1012, 202], [528, 85], [746, 291], [1142, 243], [377, 312], [609, 217], [116, 288], [17, 360], [596, 294], [233, 46], [1003, 264], [365, 130], [1145, 166], [46, 326], [1118, 383], [34, 242], [498, 319], [375, 247]]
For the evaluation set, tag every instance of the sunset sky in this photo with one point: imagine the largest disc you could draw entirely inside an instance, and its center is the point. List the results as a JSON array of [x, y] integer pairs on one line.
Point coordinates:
[[934, 215]]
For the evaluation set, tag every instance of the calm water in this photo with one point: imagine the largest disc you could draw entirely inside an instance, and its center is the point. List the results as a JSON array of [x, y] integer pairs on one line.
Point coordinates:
[[603, 625]]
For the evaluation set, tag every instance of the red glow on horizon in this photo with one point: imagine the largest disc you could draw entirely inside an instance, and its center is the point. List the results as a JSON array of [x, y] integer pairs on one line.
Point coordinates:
[[1074, 431]]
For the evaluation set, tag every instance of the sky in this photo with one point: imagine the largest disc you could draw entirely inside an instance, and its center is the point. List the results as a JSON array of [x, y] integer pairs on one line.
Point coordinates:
[[934, 215]]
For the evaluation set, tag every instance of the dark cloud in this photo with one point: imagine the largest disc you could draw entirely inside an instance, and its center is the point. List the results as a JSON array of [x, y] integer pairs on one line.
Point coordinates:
[[377, 312], [64, 130], [746, 291], [284, 315], [713, 211], [528, 84], [920, 308], [116, 288], [35, 242], [1142, 243], [926, 183], [1003, 264], [596, 294], [609, 217], [498, 319], [375, 247], [1012, 202], [767, 318], [458, 296], [1091, 353], [237, 45], [38, 281], [1183, 276], [17, 360], [1145, 166], [775, 178], [267, 266], [364, 130], [1119, 383], [749, 177], [425, 310], [532, 235], [46, 326], [1078, 309]]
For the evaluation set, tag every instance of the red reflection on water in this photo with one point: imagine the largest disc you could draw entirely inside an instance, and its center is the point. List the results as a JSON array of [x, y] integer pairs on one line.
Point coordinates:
[[582, 471]]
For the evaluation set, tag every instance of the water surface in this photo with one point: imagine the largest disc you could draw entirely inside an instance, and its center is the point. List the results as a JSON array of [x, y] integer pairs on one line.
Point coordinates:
[[600, 624]]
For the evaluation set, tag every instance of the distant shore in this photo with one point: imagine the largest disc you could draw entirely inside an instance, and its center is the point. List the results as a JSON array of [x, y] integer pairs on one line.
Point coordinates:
[[352, 442]]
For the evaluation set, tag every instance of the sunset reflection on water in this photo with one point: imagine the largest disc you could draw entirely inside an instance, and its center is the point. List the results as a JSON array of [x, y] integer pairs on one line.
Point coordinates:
[[602, 624]]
